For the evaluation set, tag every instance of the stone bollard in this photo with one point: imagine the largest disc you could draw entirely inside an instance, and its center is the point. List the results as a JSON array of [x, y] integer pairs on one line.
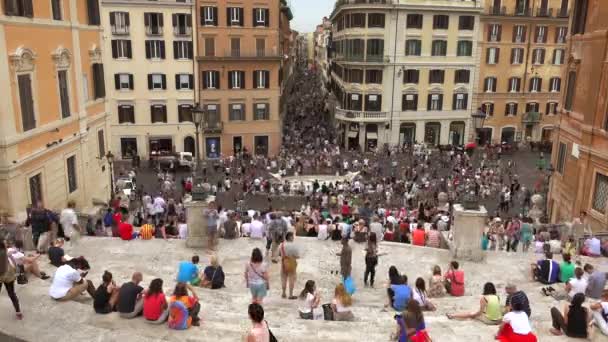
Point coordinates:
[[467, 232], [197, 225]]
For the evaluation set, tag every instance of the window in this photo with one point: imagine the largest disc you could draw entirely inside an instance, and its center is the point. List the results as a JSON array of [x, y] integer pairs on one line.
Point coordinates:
[[489, 85], [209, 47], [560, 34], [157, 81], [154, 23], [235, 47], [36, 188], [213, 114], [182, 24], [436, 76], [519, 34], [182, 49], [236, 79], [261, 17], [234, 16], [514, 84], [522, 7], [551, 108], [492, 55], [101, 143], [93, 12], [414, 21], [541, 34], [208, 16], [158, 113], [184, 113], [439, 48], [465, 48], [56, 8], [600, 193], [375, 20], [487, 108], [184, 81], [375, 49], [579, 17], [535, 84], [123, 81], [538, 56], [237, 112], [155, 49], [462, 76], [353, 75], [532, 107], [494, 32], [357, 20], [261, 111], [571, 86], [71, 167], [459, 101], [64, 95], [19, 8], [412, 47], [558, 56], [373, 76], [26, 100], [435, 102], [373, 102], [261, 79], [561, 157], [119, 22], [466, 22], [409, 102], [511, 109], [126, 114], [211, 80], [517, 55], [121, 48], [555, 84], [99, 84], [441, 22], [260, 47], [411, 76]]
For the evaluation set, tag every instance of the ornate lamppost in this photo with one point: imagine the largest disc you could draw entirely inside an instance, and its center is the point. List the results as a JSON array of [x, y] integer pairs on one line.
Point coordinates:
[[110, 157]]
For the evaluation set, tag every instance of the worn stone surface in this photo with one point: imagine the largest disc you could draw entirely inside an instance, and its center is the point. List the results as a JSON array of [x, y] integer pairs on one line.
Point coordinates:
[[197, 234], [224, 312], [467, 233]]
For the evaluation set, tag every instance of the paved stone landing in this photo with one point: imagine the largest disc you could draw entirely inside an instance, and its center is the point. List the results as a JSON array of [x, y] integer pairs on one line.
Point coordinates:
[[224, 312]]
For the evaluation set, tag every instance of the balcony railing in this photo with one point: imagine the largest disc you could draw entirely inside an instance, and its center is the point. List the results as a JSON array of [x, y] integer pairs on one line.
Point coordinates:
[[497, 10], [341, 3], [120, 30], [154, 30], [181, 31], [544, 12], [522, 12], [362, 58], [212, 127], [245, 54], [364, 116], [562, 13]]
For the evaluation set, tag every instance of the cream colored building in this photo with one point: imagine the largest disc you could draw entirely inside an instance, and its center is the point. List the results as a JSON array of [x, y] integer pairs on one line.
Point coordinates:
[[149, 49], [53, 122], [405, 71]]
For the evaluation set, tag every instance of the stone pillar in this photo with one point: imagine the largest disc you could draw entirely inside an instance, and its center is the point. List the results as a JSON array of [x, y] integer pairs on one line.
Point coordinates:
[[197, 227], [467, 232]]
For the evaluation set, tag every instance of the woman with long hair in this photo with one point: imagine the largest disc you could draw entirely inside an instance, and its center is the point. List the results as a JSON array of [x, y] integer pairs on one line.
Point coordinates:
[[436, 283], [421, 296], [411, 325], [8, 275], [179, 300], [259, 331], [309, 300], [371, 259], [574, 321], [156, 309], [341, 304], [256, 276], [489, 311]]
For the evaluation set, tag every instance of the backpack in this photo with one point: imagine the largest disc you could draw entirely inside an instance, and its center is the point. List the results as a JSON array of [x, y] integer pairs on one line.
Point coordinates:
[[179, 318], [108, 220]]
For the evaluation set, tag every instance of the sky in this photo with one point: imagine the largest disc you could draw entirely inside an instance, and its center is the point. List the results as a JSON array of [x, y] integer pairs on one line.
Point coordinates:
[[308, 13]]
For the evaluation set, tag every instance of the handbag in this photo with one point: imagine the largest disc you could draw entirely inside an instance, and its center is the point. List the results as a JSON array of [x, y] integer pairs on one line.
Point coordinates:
[[328, 312], [21, 276], [261, 276], [271, 337], [289, 264], [10, 274]]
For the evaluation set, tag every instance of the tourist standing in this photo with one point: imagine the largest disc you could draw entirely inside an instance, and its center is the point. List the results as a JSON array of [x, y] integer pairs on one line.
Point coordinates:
[[212, 218], [371, 259], [40, 222], [69, 222], [289, 254], [256, 276], [8, 275], [346, 258]]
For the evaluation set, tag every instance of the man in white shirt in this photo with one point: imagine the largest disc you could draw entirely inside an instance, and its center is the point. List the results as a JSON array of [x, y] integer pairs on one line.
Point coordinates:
[[376, 227], [159, 207], [69, 222], [593, 247], [257, 228], [600, 313], [68, 283]]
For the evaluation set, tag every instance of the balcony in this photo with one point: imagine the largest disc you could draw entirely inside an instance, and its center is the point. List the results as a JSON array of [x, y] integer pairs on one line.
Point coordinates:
[[360, 116], [497, 10], [182, 31], [238, 54], [562, 13], [544, 12], [363, 3], [212, 127], [120, 30], [154, 30], [362, 58], [522, 12], [531, 118]]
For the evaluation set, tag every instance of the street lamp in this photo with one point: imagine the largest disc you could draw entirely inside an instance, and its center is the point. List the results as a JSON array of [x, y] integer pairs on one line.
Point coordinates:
[[478, 119], [110, 158], [197, 116]]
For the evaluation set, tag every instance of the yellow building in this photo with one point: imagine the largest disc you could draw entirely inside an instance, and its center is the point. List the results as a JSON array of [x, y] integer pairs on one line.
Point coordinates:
[[523, 50], [54, 123]]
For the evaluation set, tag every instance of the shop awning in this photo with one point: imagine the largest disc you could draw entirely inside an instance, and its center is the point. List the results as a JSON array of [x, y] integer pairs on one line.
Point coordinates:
[[352, 134], [372, 135]]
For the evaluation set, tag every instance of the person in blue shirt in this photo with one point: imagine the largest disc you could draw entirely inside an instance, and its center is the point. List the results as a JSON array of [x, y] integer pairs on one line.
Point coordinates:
[[546, 271], [400, 294], [188, 271]]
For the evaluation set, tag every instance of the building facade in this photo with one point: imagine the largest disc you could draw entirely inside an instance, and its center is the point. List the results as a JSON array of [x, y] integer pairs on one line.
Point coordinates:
[[240, 59], [322, 40], [580, 150], [53, 136], [404, 71], [523, 48], [149, 53]]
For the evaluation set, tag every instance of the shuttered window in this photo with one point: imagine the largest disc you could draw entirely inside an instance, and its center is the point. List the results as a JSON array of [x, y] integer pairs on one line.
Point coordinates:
[[99, 86], [26, 100], [64, 96], [93, 12]]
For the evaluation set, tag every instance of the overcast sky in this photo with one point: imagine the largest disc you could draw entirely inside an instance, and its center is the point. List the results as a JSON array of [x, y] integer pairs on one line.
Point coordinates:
[[308, 13]]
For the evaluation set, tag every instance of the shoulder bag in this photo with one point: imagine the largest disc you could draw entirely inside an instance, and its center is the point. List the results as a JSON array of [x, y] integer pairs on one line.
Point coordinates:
[[260, 275]]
